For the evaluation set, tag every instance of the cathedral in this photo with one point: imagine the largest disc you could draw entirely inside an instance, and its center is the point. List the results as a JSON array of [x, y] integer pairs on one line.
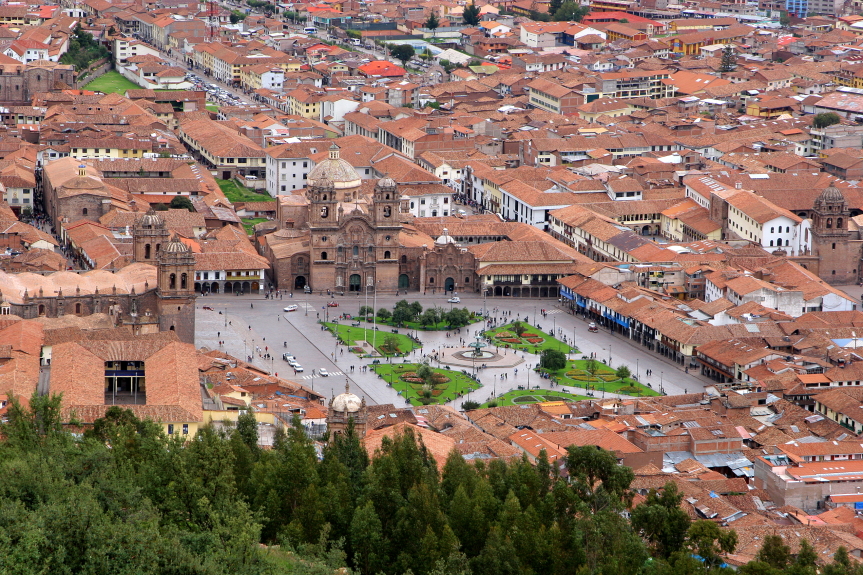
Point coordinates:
[[156, 293], [349, 235]]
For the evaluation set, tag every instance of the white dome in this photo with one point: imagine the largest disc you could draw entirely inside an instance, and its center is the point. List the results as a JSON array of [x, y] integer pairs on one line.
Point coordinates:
[[445, 238], [338, 171], [347, 402]]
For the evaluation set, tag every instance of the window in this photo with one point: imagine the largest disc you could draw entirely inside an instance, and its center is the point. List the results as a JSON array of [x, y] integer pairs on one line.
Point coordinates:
[[834, 245], [771, 230], [323, 255], [404, 259], [431, 280], [183, 281], [356, 251], [84, 211], [77, 308], [829, 222], [839, 223], [172, 281], [467, 280], [147, 251], [386, 255], [185, 429], [170, 429], [325, 211], [387, 211]]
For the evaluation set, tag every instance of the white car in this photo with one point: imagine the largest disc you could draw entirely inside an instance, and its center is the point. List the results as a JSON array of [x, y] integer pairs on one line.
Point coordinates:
[[293, 362], [323, 373], [297, 366], [455, 299], [292, 307]]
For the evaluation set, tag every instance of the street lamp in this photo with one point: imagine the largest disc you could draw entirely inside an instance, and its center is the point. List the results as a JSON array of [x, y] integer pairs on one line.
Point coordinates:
[[636, 368], [609, 355], [534, 314], [661, 382]]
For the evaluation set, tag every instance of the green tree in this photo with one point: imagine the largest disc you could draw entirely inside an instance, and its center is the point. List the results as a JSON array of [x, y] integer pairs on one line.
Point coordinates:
[[707, 540], [367, 540], [591, 366], [729, 61], [469, 405], [366, 311], [182, 203], [825, 119], [416, 308], [597, 479], [554, 6], [431, 316], [518, 328], [774, 552], [622, 372], [784, 20], [247, 429], [471, 14], [384, 314], [804, 562], [552, 360], [432, 22], [571, 12], [391, 343], [661, 521], [403, 52]]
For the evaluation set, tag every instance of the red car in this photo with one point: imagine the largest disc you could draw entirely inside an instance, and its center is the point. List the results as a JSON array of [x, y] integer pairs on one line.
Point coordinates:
[[332, 304]]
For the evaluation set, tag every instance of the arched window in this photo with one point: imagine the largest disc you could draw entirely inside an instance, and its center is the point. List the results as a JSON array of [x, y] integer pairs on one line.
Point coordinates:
[[386, 255], [788, 228], [158, 248], [404, 259], [771, 243], [387, 211], [467, 280], [147, 252], [323, 255], [829, 222], [839, 223], [325, 211], [771, 229], [787, 242], [172, 281], [183, 281], [84, 211], [77, 308], [834, 245], [431, 280], [340, 250], [387, 196], [325, 197], [41, 309], [356, 251]]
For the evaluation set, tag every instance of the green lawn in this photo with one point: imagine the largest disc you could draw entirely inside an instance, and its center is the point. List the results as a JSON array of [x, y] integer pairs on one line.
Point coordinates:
[[212, 108], [520, 397], [412, 325], [349, 335], [249, 224], [237, 193], [575, 376], [548, 341], [112, 81], [450, 385]]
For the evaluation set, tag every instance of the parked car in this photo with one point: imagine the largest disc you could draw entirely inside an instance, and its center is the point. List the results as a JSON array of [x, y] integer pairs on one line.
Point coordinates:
[[288, 357], [454, 299], [323, 373], [298, 367], [591, 327], [292, 307]]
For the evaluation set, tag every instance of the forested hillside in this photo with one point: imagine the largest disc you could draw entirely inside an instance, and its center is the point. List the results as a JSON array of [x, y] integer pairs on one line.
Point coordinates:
[[124, 498]]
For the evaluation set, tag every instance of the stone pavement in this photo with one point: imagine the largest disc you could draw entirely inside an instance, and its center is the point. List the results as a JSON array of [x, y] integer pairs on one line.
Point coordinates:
[[272, 329]]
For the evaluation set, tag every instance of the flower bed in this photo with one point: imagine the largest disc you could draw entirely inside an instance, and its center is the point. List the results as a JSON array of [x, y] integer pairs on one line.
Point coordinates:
[[411, 379], [358, 350], [439, 378], [535, 340], [504, 334], [511, 340]]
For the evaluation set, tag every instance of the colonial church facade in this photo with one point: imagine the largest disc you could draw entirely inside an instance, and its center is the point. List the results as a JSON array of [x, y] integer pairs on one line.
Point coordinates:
[[156, 293], [344, 237]]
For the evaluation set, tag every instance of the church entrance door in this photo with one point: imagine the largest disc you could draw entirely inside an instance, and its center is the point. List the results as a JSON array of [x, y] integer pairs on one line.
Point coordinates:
[[404, 281], [300, 282], [354, 282], [449, 284]]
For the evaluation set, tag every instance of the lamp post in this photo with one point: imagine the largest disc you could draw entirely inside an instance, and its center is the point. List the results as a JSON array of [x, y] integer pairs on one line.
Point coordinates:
[[375, 317], [636, 368], [494, 391], [609, 355], [661, 382], [534, 314]]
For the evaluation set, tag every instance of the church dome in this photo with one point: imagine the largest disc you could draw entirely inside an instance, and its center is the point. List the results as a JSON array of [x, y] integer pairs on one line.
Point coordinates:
[[175, 246], [347, 402], [386, 182], [338, 171], [444, 238], [151, 220], [831, 195]]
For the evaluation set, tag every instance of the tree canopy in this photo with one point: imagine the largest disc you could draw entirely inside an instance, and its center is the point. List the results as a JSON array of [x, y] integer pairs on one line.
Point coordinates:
[[403, 52]]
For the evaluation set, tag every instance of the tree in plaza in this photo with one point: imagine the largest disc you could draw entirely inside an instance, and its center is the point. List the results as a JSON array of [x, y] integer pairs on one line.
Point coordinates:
[[366, 310], [729, 62], [431, 316], [403, 52], [391, 343], [471, 14], [622, 372], [591, 366], [402, 314], [416, 308], [519, 328], [552, 360], [182, 203], [661, 521], [384, 314], [457, 317]]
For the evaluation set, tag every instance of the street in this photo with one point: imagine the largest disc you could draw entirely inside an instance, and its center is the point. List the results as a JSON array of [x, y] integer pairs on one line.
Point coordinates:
[[251, 322]]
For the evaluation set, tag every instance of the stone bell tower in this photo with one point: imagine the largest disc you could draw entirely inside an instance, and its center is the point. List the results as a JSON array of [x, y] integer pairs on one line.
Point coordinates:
[[176, 290], [148, 236]]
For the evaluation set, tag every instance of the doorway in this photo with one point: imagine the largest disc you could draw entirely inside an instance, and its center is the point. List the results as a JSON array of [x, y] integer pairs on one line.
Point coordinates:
[[300, 282], [449, 284], [404, 281], [354, 283]]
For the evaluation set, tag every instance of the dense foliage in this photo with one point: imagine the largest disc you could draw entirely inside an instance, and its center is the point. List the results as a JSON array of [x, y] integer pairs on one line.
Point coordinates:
[[125, 498], [83, 50]]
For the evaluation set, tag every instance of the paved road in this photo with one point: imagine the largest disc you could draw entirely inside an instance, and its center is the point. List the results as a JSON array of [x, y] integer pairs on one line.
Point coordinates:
[[315, 349]]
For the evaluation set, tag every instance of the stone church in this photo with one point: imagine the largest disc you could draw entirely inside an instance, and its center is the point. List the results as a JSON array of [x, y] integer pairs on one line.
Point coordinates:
[[347, 235], [156, 293]]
